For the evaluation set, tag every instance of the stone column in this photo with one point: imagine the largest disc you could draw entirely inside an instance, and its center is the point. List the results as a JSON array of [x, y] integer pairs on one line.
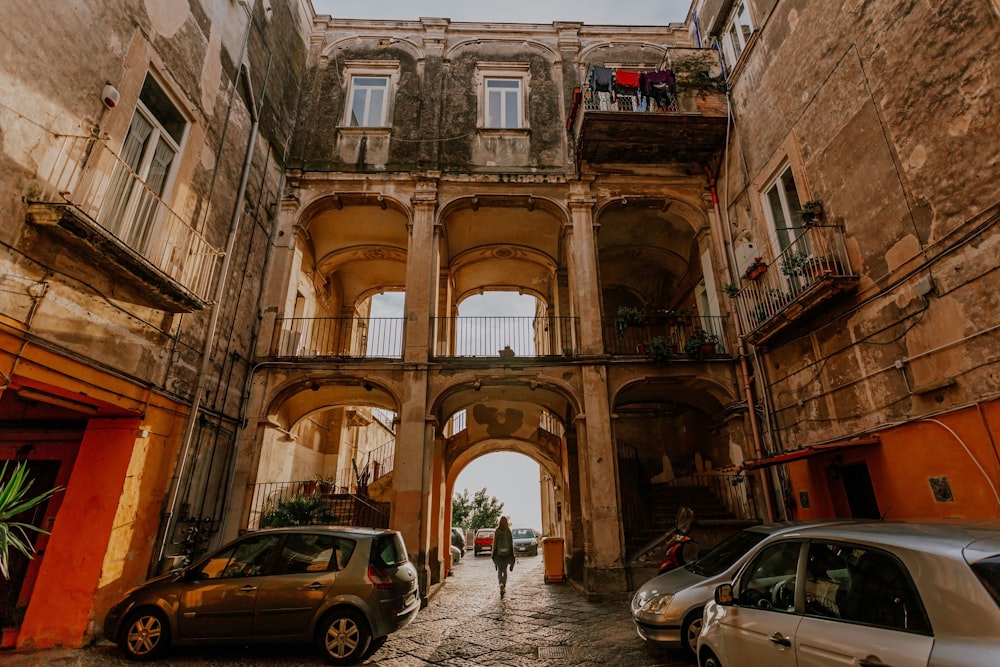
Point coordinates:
[[583, 278], [415, 436]]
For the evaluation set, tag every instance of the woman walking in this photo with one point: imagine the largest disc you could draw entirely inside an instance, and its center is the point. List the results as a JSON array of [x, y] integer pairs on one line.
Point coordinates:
[[503, 552]]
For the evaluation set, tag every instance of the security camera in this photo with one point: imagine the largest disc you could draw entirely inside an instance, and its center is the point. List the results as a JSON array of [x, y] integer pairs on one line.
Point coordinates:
[[110, 96]]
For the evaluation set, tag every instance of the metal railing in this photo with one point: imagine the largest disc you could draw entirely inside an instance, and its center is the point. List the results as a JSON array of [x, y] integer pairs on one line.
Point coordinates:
[[818, 254], [663, 335], [732, 490], [487, 336], [83, 172], [324, 503], [374, 337]]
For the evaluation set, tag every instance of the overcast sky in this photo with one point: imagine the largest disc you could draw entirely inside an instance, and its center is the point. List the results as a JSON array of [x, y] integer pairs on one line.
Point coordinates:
[[591, 12]]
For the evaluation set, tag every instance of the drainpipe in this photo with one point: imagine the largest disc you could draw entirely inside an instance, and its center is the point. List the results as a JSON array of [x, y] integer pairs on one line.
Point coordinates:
[[220, 288], [744, 362]]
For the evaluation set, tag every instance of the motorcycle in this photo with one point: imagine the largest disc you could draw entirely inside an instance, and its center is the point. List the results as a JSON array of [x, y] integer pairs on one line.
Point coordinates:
[[677, 538]]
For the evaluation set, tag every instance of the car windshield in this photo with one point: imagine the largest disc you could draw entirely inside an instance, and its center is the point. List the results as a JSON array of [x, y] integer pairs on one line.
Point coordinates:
[[522, 533], [725, 553], [988, 571]]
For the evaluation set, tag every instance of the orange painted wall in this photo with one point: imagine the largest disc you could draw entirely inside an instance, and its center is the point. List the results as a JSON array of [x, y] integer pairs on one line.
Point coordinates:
[[62, 602], [962, 447]]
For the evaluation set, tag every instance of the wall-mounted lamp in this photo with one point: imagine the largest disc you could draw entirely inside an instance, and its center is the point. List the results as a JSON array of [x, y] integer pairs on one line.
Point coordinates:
[[110, 96]]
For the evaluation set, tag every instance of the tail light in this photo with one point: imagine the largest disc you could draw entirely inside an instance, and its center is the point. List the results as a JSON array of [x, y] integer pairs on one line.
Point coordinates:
[[379, 578]]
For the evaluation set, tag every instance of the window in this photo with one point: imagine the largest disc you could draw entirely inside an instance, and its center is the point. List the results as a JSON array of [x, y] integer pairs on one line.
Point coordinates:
[[369, 97], [313, 553], [503, 103], [141, 178], [248, 558], [770, 579], [737, 34], [781, 201], [503, 90]]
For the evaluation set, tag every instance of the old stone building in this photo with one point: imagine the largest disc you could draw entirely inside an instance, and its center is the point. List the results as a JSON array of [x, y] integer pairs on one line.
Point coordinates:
[[142, 152], [251, 254]]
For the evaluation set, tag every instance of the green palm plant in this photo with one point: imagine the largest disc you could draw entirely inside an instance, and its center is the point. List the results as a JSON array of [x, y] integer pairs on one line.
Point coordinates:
[[13, 501]]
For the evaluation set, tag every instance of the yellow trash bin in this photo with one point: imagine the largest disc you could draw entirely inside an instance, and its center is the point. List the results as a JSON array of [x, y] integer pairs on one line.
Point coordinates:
[[552, 553]]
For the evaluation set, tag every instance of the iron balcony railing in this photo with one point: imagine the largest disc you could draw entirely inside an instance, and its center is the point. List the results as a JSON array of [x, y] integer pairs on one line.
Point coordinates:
[[314, 501], [83, 172], [817, 255], [373, 337], [663, 335], [487, 336]]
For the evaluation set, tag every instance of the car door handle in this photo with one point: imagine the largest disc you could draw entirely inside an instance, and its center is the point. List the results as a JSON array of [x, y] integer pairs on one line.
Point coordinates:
[[316, 585], [781, 639], [867, 663], [247, 588]]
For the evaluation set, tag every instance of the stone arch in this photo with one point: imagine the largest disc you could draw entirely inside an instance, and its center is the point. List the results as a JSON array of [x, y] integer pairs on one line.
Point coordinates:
[[478, 41]]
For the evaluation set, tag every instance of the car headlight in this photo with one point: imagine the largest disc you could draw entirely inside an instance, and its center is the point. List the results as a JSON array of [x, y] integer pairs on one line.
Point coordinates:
[[658, 604], [533, 543]]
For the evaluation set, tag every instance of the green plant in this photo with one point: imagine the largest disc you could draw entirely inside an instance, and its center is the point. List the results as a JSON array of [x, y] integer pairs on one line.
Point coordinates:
[[755, 268], [730, 289], [660, 350], [629, 316], [14, 500], [810, 210], [696, 343], [795, 263], [300, 510], [694, 73]]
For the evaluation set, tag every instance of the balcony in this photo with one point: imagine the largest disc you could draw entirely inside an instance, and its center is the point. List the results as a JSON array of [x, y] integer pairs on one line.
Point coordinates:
[[106, 217], [811, 272], [355, 337], [687, 123], [664, 336], [500, 337]]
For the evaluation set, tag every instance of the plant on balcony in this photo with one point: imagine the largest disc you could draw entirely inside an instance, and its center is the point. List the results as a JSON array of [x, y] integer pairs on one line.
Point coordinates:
[[756, 269], [810, 211], [300, 510], [796, 263], [694, 73], [629, 316], [731, 290], [14, 502], [660, 350], [701, 344]]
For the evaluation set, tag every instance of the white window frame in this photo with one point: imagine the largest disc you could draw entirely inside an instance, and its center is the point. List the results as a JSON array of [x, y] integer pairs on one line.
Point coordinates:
[[354, 71], [131, 212], [486, 74], [736, 36]]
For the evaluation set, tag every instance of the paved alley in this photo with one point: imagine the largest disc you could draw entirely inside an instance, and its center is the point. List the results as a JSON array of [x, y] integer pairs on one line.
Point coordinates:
[[467, 624]]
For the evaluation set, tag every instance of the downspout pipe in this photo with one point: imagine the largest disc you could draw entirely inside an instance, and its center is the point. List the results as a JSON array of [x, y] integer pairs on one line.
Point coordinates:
[[220, 288], [724, 255]]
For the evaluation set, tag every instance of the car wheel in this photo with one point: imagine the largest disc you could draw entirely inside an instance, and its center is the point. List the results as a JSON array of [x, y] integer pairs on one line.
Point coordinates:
[[535, 552], [375, 645], [145, 635], [711, 661], [690, 629], [344, 637]]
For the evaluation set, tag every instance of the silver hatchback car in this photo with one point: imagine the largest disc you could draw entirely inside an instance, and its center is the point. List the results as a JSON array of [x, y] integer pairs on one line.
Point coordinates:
[[346, 589], [667, 609], [901, 594]]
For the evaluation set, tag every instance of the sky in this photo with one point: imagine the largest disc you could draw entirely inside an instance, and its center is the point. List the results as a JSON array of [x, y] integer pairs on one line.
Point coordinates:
[[591, 12]]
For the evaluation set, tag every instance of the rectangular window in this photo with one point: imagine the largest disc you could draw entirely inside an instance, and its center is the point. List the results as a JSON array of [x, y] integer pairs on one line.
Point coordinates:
[[142, 174], [737, 34], [781, 200], [503, 103], [369, 95]]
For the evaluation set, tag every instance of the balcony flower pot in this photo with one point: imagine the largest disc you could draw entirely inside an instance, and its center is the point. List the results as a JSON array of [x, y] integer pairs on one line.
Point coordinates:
[[810, 211], [757, 268]]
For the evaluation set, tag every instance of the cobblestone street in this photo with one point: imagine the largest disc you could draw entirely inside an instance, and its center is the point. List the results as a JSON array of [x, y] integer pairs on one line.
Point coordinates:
[[467, 624]]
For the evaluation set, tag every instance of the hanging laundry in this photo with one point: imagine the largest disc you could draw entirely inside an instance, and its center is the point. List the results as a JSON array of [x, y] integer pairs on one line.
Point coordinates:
[[626, 79], [648, 79], [601, 78]]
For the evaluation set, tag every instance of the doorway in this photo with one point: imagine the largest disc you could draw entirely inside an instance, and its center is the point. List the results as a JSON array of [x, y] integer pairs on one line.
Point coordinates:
[[860, 492]]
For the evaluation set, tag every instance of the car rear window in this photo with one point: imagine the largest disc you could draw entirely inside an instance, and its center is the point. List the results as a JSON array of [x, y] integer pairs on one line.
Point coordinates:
[[988, 571], [388, 550], [725, 553]]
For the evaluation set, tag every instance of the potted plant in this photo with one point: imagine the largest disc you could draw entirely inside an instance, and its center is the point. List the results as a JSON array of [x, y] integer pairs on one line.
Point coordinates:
[[629, 316], [731, 290], [795, 263], [756, 269], [810, 211], [301, 510], [701, 344], [14, 503], [660, 349]]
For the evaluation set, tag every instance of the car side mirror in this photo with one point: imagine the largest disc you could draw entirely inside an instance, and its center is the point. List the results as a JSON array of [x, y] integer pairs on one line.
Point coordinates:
[[724, 595], [194, 575]]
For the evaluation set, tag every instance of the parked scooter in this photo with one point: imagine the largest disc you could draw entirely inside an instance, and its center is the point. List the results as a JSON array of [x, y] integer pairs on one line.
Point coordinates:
[[677, 539]]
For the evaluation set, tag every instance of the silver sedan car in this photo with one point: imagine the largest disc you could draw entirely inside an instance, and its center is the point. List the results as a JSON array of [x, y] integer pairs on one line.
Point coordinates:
[[344, 589], [900, 594], [667, 609]]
